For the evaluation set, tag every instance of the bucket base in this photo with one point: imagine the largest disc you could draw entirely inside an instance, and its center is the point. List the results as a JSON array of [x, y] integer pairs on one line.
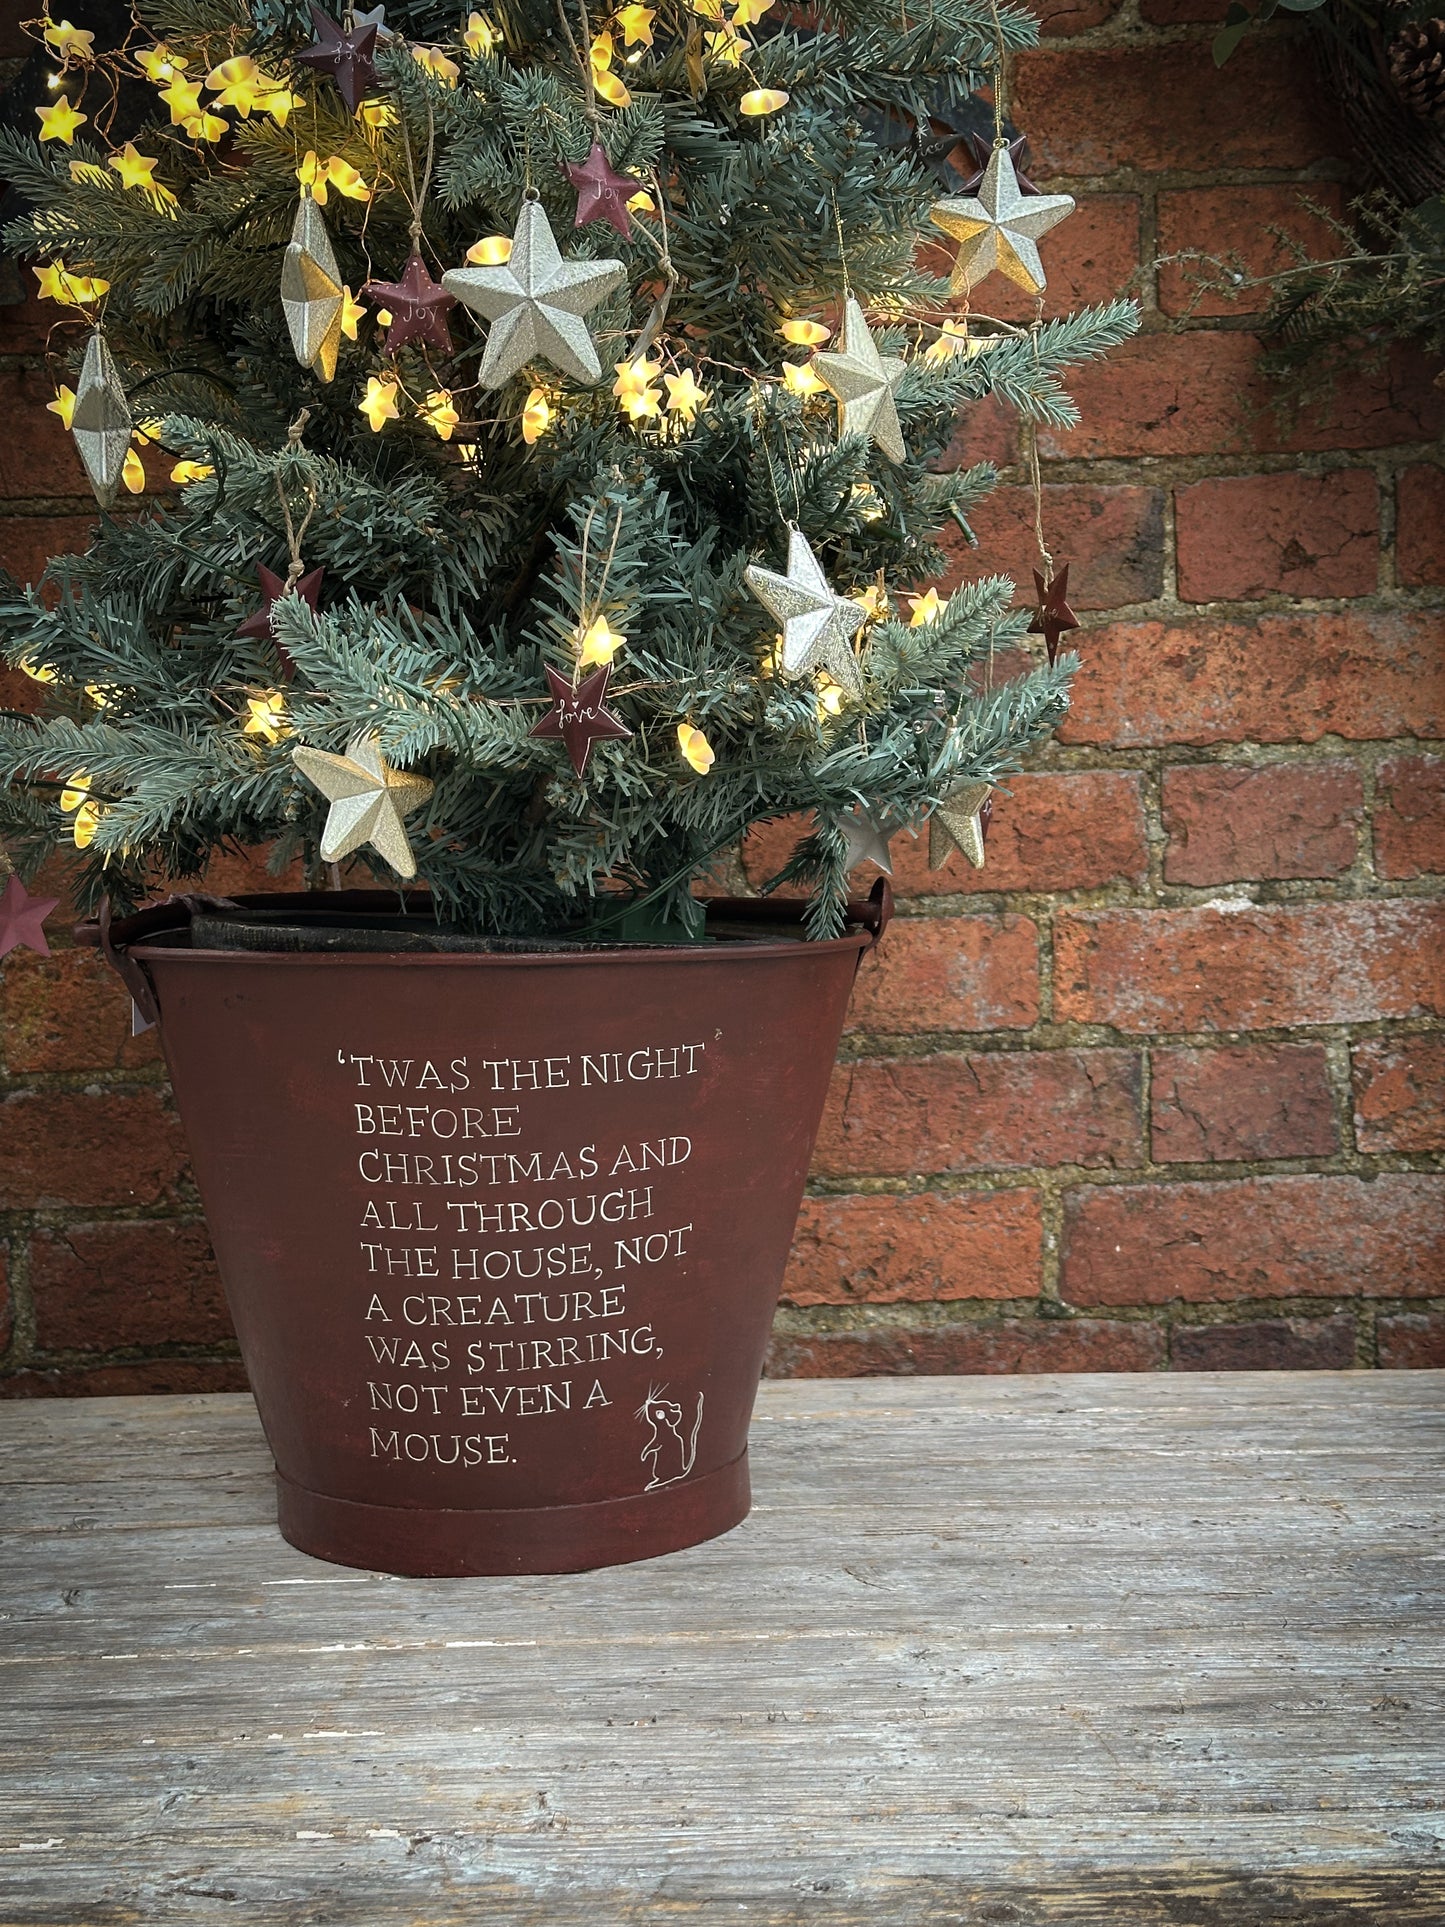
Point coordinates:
[[416, 1544]]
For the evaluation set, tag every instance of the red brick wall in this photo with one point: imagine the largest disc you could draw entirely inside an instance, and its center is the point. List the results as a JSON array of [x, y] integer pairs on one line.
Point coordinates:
[[1166, 1089]]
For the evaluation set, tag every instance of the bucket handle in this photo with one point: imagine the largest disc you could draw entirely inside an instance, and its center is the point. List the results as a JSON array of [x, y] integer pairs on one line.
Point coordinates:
[[131, 971], [877, 912]]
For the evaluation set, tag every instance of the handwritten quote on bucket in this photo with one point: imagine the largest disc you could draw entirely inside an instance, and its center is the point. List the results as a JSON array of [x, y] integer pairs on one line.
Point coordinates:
[[499, 1257]]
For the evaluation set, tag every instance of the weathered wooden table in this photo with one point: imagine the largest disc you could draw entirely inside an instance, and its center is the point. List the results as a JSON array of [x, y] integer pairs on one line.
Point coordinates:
[[1088, 1650]]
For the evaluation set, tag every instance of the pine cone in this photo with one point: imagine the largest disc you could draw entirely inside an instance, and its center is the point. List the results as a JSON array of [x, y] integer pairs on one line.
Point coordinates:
[[1417, 67]]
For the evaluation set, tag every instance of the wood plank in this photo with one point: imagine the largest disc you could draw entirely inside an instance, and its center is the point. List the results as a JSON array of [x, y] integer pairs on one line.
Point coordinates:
[[1055, 1650]]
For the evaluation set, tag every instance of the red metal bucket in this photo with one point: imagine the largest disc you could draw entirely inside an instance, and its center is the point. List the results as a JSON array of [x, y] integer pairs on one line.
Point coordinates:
[[502, 1234]]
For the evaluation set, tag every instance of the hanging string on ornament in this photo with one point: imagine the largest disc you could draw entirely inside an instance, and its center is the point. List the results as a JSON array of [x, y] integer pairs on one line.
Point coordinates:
[[304, 584], [652, 327], [418, 306], [597, 642], [999, 220], [583, 60], [100, 421], [1052, 616]]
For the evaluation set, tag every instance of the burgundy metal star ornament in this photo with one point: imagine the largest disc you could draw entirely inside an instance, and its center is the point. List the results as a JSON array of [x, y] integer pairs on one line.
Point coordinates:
[[1052, 615], [417, 305], [273, 589], [602, 193], [21, 918], [579, 716], [980, 152], [346, 53]]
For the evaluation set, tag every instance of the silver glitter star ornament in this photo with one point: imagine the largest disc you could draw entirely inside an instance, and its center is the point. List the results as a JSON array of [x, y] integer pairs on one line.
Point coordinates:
[[535, 303], [957, 824], [1000, 227], [101, 420], [311, 291], [865, 840], [864, 381], [368, 798], [818, 626]]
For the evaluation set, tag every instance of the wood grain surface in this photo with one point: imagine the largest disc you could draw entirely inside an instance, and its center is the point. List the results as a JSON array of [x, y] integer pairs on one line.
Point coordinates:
[[1055, 1652]]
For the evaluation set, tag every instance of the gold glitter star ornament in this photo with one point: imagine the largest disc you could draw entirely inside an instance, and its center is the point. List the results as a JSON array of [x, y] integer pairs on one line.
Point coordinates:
[[535, 302], [957, 823], [864, 381], [100, 420], [311, 291], [818, 626], [369, 800], [1000, 227]]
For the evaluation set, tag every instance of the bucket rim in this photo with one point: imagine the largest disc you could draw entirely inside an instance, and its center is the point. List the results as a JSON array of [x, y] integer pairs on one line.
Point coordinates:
[[629, 953], [128, 945]]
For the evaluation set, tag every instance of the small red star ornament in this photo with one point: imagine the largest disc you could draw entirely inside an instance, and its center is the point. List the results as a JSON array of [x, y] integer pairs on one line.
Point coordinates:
[[346, 53], [602, 193], [1052, 615], [273, 590], [980, 151], [417, 305], [22, 917], [579, 716]]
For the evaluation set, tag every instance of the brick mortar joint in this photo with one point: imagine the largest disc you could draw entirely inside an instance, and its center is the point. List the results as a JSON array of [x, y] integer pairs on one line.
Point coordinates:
[[1067, 1179], [934, 1315]]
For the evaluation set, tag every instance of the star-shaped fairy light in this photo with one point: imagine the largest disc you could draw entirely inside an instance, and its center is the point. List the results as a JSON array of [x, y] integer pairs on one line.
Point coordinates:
[[273, 589], [346, 53], [71, 43], [818, 626], [864, 381], [312, 295], [959, 822], [59, 121], [369, 801], [137, 171], [417, 305], [865, 840], [1052, 614], [22, 917], [535, 301], [100, 420], [579, 717], [602, 193], [1000, 227]]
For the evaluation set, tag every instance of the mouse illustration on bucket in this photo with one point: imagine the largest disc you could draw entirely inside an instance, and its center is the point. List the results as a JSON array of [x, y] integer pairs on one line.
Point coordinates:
[[672, 1456]]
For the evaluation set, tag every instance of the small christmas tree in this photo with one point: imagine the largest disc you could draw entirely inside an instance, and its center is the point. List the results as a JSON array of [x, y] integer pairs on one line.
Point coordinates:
[[555, 404]]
